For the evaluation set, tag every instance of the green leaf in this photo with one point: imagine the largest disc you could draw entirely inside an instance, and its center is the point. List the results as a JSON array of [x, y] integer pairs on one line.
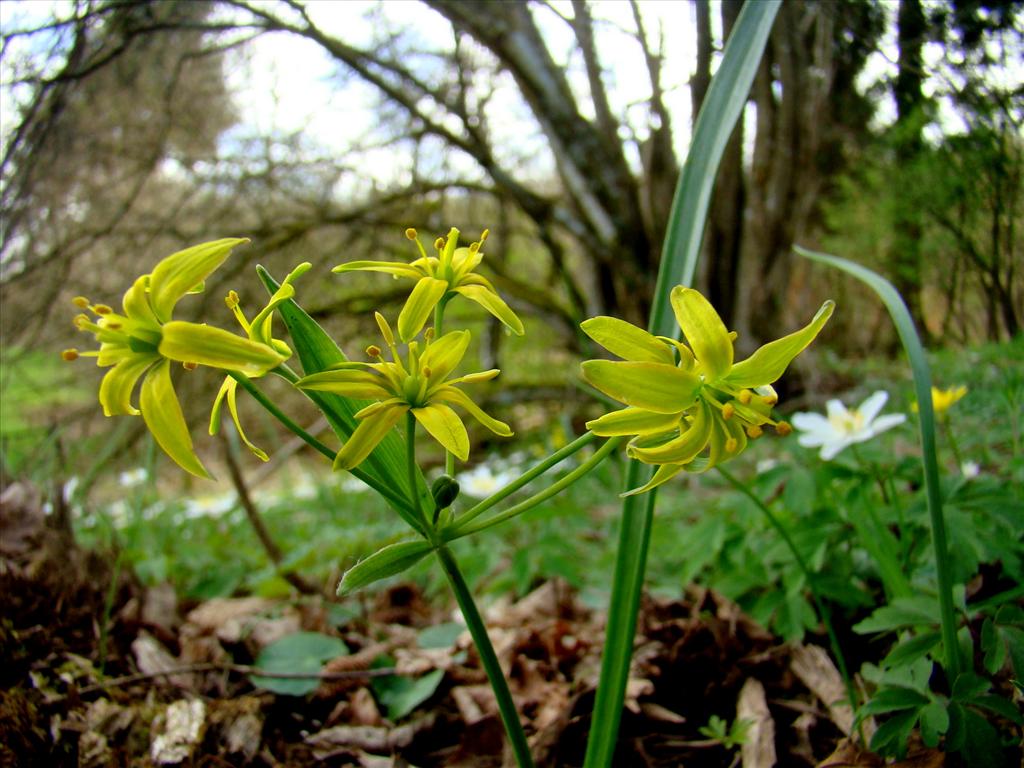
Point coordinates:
[[981, 742], [969, 686], [892, 735], [316, 350], [999, 705], [992, 646], [440, 635], [401, 695], [390, 561], [912, 649], [903, 612], [303, 652], [934, 719], [724, 103], [892, 700]]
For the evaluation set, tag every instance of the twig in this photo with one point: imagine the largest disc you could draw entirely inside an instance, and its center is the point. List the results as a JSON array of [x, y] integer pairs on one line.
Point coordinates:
[[253, 515], [245, 669]]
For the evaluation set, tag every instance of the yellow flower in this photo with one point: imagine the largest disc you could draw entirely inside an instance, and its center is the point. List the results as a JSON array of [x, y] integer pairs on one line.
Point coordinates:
[[420, 386], [259, 330], [943, 399], [141, 343], [438, 278], [688, 407]]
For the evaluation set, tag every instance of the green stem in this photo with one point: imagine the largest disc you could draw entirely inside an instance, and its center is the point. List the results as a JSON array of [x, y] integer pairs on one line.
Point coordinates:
[[462, 529], [627, 584], [258, 395], [488, 658], [823, 612], [951, 436], [474, 512], [410, 447]]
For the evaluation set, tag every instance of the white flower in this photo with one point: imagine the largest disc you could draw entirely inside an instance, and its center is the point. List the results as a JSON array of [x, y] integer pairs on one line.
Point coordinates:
[[133, 477], [483, 480], [970, 469], [843, 427]]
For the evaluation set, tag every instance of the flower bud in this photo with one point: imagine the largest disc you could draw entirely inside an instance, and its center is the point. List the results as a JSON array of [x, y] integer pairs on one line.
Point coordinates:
[[444, 490]]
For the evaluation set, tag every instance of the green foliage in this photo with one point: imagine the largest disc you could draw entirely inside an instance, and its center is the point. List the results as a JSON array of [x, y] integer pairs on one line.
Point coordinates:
[[728, 735], [399, 694], [297, 654]]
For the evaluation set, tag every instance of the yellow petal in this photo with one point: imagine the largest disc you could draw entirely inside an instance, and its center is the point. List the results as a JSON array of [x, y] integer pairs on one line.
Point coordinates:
[[350, 383], [632, 421], [136, 303], [367, 435], [396, 268], [493, 303], [176, 275], [162, 414], [458, 397], [445, 426], [769, 362], [444, 354], [680, 450], [229, 391], [217, 348], [652, 386], [119, 383], [419, 306], [704, 330], [665, 473], [627, 341]]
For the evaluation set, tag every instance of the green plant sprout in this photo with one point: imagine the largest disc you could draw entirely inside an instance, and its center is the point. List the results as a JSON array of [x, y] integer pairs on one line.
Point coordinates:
[[728, 735]]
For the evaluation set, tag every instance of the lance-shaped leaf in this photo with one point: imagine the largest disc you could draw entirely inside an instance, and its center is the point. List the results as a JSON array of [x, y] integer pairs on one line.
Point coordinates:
[[317, 352], [390, 561]]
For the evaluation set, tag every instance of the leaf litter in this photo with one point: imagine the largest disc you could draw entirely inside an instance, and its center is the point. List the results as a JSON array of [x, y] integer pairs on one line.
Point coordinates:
[[397, 681]]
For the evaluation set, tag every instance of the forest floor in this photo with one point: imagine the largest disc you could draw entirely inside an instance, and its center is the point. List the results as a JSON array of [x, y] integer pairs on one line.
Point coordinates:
[[96, 670]]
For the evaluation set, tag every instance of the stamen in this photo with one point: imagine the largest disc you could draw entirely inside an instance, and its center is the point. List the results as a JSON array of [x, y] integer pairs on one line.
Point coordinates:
[[112, 325], [373, 351], [81, 302], [483, 236], [101, 309], [745, 396], [428, 335], [69, 354], [439, 244], [82, 322], [728, 410], [783, 428], [771, 399], [754, 431], [426, 371], [473, 248], [731, 445], [410, 233], [189, 366], [232, 299], [733, 335]]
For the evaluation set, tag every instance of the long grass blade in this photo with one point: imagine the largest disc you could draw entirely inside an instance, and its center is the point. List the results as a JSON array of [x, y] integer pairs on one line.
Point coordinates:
[[722, 107], [923, 389]]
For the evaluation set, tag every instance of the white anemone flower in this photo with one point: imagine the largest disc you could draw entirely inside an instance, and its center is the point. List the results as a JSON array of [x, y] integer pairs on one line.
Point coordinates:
[[484, 480], [843, 427]]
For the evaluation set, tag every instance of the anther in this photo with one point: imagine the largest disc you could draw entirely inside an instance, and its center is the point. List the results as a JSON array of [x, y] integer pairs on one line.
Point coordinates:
[[112, 325], [428, 335], [771, 399], [231, 299], [81, 322], [439, 244], [426, 372], [483, 235], [101, 309], [189, 366], [81, 302], [473, 248], [754, 431], [733, 335], [69, 354], [410, 233], [728, 410], [783, 428], [731, 445], [745, 396], [373, 351]]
